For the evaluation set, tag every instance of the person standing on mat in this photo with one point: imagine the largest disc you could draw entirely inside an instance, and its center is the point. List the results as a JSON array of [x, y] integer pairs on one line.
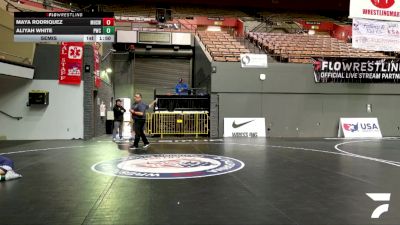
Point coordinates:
[[138, 111], [118, 119], [7, 169]]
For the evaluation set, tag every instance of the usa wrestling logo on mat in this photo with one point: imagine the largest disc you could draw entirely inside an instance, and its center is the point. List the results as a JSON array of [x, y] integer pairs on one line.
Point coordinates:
[[169, 166]]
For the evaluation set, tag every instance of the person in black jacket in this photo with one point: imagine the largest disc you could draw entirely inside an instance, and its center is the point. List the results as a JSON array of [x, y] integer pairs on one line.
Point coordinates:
[[118, 119]]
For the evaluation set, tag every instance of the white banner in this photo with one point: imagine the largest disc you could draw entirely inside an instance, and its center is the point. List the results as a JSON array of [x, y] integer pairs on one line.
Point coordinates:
[[375, 9], [359, 128], [376, 35], [254, 60], [103, 109], [244, 127]]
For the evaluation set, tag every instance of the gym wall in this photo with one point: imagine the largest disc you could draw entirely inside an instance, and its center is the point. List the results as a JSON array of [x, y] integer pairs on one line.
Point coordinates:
[[61, 119], [73, 110], [94, 125], [201, 66], [123, 76], [294, 105], [7, 44]]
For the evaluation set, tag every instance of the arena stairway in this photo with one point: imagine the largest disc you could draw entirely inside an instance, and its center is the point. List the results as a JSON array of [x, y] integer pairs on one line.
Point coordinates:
[[255, 49]]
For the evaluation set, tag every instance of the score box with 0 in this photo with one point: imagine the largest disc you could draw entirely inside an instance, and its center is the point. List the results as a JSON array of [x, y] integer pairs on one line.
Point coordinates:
[[108, 21], [108, 30], [104, 30]]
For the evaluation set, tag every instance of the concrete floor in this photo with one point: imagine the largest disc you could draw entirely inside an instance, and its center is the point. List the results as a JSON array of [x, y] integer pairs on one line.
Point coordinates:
[[283, 181]]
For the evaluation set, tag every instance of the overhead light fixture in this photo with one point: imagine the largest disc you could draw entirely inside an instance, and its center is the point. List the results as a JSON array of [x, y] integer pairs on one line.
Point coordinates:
[[109, 70], [214, 28], [103, 74]]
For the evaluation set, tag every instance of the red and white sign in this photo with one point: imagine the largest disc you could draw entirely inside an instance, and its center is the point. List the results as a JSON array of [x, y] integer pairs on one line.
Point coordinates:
[[71, 55], [375, 9], [359, 128], [96, 69]]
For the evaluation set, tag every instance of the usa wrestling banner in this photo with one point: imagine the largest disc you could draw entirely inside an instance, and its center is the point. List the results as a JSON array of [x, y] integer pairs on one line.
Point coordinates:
[[96, 69], [71, 55], [356, 70]]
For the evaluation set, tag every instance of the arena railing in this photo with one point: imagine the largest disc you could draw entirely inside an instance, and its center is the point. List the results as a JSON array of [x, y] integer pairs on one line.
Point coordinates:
[[12, 117], [171, 91], [178, 123]]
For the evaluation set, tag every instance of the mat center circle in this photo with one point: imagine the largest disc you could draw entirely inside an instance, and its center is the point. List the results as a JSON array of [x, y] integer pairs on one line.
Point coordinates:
[[169, 166]]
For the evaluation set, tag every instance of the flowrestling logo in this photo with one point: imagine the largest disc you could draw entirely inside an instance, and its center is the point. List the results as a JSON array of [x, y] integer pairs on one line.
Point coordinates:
[[317, 65], [169, 166], [352, 70], [383, 198]]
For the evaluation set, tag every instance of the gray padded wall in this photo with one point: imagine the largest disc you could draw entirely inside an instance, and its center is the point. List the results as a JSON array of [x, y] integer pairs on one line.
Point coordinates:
[[201, 67], [46, 61], [122, 76], [294, 105]]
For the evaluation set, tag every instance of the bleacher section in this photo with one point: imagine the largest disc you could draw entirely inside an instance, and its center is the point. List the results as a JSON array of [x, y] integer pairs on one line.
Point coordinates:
[[281, 17], [300, 48], [222, 46], [251, 24], [163, 29], [288, 22]]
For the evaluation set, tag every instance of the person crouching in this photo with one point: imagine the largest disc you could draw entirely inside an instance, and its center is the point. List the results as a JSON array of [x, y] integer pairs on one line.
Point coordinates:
[[7, 169]]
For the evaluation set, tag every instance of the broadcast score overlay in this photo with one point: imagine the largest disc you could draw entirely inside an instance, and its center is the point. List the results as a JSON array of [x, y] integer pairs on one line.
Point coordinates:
[[64, 27]]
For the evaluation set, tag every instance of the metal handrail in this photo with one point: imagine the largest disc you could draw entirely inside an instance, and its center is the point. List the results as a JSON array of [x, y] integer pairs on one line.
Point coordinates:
[[193, 90], [13, 117], [10, 4]]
